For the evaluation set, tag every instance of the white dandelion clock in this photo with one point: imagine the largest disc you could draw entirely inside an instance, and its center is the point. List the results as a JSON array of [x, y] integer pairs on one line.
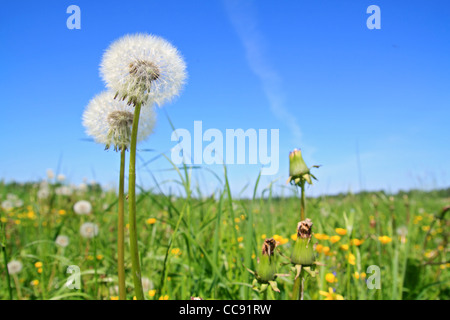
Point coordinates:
[[109, 121], [82, 207], [143, 68], [62, 241], [89, 230], [14, 267]]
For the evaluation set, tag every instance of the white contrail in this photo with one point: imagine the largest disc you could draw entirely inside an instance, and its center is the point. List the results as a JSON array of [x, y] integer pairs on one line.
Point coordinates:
[[242, 17]]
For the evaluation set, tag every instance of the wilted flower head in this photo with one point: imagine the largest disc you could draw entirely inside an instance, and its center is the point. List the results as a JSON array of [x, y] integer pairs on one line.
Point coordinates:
[[303, 251], [89, 230], [109, 121], [143, 68], [62, 241], [269, 247], [304, 228], [15, 267], [82, 207]]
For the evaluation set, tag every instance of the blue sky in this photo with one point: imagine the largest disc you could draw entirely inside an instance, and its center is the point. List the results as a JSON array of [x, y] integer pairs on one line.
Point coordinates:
[[311, 69]]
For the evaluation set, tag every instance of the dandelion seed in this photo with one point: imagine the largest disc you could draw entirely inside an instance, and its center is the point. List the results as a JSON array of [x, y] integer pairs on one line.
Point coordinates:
[[89, 230], [14, 267], [64, 191], [82, 207], [50, 174], [62, 241], [143, 68], [110, 121], [147, 284]]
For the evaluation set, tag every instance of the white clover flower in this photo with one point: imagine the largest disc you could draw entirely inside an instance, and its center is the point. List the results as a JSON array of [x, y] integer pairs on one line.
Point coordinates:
[[62, 241], [14, 267], [89, 230], [61, 177], [143, 68], [109, 121], [82, 207]]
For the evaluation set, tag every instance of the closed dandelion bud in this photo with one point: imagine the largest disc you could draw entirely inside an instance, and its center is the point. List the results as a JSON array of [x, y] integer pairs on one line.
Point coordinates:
[[267, 268], [298, 170], [303, 253]]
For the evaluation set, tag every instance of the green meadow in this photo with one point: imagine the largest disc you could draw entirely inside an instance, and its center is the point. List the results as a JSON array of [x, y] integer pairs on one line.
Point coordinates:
[[370, 245]]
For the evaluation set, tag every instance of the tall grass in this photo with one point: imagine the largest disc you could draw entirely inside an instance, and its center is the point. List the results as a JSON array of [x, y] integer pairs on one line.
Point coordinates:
[[201, 245]]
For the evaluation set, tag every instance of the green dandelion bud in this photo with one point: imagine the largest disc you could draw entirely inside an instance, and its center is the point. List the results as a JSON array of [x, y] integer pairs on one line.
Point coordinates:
[[298, 170], [303, 252]]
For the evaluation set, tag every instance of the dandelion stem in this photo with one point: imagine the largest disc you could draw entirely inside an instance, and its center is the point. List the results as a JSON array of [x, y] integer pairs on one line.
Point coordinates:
[[132, 207], [297, 290], [8, 278], [303, 202], [121, 231]]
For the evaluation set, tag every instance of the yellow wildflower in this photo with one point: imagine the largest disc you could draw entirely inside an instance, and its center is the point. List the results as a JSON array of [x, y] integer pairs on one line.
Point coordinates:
[[151, 221], [340, 231], [152, 293], [330, 295], [344, 247], [384, 239], [356, 242], [319, 248], [351, 259], [320, 236], [335, 239], [331, 278]]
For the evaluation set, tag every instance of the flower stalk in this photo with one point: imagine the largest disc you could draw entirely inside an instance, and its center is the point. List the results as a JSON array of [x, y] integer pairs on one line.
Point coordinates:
[[302, 256], [121, 229], [135, 264]]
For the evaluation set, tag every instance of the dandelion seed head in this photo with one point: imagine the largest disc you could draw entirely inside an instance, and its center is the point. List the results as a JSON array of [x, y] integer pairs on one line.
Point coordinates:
[[62, 241], [89, 230], [143, 68], [14, 267], [109, 121], [82, 207]]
